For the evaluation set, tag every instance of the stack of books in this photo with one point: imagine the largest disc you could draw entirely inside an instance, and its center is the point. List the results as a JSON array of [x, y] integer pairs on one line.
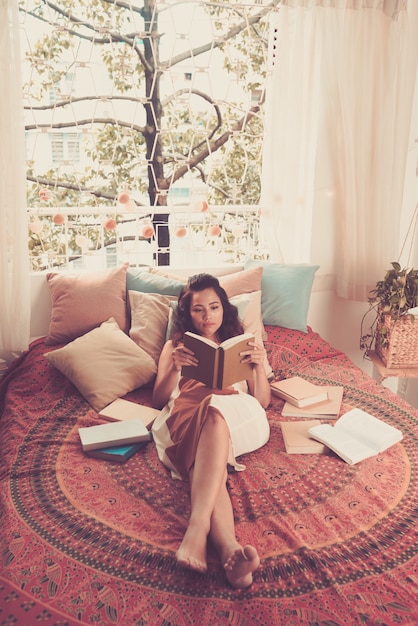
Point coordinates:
[[304, 399], [118, 454], [356, 435], [299, 392], [327, 409], [126, 431]]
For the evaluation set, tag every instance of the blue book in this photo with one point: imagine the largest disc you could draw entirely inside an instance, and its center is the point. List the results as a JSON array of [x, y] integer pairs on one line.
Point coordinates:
[[120, 454]]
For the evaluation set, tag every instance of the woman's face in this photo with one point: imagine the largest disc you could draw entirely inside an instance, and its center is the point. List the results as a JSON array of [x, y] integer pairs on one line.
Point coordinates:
[[206, 312]]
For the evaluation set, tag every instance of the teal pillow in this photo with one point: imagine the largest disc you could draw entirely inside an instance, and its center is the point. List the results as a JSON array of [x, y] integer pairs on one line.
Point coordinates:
[[142, 280], [285, 293]]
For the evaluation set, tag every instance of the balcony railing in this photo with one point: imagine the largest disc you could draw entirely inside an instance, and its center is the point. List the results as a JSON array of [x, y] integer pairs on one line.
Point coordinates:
[[62, 238]]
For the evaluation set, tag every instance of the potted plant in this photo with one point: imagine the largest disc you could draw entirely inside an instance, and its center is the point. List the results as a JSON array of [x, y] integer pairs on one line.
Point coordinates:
[[393, 333]]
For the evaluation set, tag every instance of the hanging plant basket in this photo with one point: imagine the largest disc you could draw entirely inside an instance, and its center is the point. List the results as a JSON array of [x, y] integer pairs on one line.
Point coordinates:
[[396, 341], [393, 333]]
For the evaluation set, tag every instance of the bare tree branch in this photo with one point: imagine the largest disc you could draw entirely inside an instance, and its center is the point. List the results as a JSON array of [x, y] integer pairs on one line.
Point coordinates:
[[47, 182], [148, 54], [63, 103], [110, 36], [235, 30], [129, 39], [213, 146], [209, 99], [95, 120]]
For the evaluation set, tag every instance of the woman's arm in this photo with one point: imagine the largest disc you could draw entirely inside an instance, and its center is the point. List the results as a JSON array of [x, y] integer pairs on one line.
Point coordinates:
[[167, 376], [258, 386], [172, 359]]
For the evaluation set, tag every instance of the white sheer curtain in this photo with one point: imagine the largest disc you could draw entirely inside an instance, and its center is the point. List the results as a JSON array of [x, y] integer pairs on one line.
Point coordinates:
[[343, 78], [14, 264]]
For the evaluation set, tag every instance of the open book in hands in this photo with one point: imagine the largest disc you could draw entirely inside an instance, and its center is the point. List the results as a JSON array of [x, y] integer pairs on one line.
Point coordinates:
[[219, 366], [356, 436]]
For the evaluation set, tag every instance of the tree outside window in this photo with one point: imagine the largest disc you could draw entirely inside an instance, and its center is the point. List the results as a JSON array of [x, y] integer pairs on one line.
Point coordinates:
[[159, 103]]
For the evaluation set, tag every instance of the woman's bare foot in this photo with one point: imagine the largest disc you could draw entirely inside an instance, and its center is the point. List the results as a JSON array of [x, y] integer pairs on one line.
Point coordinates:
[[192, 550], [240, 566]]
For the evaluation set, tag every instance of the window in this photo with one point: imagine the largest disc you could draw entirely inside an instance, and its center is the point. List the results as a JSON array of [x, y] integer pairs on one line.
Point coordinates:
[[65, 148], [161, 105]]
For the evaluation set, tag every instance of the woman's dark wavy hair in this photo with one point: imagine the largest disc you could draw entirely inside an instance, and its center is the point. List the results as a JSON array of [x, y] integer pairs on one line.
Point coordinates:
[[231, 325]]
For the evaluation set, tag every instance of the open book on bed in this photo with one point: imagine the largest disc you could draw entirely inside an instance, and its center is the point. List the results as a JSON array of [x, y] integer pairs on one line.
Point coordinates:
[[356, 436]]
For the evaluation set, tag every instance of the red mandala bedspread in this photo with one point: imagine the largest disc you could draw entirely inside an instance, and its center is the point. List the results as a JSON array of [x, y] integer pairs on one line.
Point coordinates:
[[85, 541]]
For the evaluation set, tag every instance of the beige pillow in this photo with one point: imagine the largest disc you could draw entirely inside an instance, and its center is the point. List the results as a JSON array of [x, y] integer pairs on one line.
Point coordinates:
[[166, 274], [149, 319], [82, 302], [104, 364]]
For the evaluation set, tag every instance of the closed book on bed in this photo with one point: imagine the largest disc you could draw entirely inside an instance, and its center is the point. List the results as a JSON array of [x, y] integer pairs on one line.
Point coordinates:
[[299, 391], [113, 434], [121, 409], [219, 366], [118, 454], [330, 409], [297, 440]]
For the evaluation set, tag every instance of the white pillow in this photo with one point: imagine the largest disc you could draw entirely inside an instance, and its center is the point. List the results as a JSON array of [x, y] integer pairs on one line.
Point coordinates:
[[104, 364], [249, 311]]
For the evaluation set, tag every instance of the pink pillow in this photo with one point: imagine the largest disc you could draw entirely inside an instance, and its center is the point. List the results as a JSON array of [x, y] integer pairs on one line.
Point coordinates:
[[244, 281], [82, 302]]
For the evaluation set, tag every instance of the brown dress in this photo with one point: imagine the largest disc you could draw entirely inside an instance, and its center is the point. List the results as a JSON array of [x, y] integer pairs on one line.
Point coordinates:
[[177, 429]]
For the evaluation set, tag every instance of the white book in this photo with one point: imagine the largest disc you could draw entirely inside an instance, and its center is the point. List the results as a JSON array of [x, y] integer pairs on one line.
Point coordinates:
[[113, 434], [121, 409], [356, 436]]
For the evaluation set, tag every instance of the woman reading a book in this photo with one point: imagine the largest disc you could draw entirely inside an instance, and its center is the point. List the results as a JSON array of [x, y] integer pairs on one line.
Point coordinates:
[[201, 430]]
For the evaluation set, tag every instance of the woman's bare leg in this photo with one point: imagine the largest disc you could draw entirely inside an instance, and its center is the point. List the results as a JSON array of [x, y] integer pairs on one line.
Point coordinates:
[[239, 562], [206, 478], [211, 509]]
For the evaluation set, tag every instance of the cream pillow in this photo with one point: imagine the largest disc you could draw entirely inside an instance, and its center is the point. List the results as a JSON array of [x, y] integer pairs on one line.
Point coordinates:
[[104, 364], [167, 274], [249, 311], [149, 319]]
